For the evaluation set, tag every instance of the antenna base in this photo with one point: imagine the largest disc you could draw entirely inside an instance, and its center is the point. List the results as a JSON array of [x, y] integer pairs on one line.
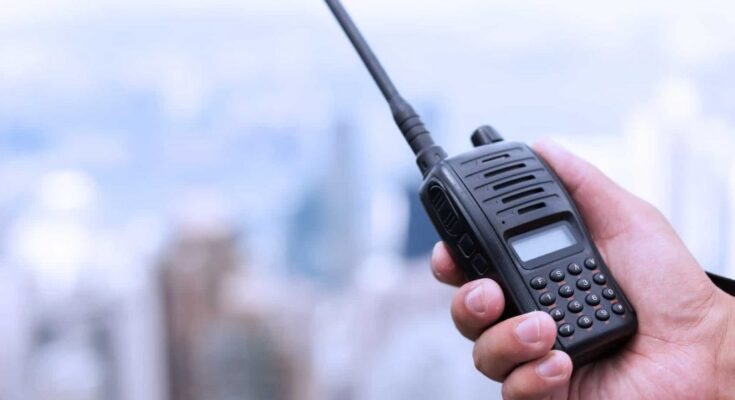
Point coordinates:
[[429, 157], [416, 134]]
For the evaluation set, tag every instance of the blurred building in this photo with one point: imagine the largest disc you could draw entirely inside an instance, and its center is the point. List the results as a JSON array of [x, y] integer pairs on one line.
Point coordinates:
[[220, 349], [421, 235], [16, 309], [326, 231]]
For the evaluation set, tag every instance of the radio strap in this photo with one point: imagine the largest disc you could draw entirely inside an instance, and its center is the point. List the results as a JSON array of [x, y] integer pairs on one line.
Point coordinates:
[[726, 284]]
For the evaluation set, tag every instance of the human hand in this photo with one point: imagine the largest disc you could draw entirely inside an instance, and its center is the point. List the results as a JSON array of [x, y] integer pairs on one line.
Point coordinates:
[[685, 344]]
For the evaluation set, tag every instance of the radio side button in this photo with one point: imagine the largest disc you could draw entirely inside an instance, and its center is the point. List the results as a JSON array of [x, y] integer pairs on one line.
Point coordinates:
[[479, 264], [466, 245]]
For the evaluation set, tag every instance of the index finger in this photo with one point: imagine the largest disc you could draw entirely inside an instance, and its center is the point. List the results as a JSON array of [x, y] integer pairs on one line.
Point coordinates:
[[444, 268], [605, 206]]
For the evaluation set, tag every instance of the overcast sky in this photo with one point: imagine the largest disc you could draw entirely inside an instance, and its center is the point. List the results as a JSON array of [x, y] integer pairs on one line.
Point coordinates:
[[194, 109]]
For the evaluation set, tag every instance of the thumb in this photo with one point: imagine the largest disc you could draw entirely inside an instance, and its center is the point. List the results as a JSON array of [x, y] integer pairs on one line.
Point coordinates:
[[606, 207]]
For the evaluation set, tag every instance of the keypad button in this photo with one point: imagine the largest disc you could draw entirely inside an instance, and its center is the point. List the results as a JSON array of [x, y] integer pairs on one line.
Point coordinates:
[[566, 330], [557, 314], [584, 284], [557, 275], [592, 299], [608, 293], [599, 279], [584, 321], [574, 269], [547, 299], [618, 309], [566, 291], [575, 306], [538, 282], [590, 263], [602, 314]]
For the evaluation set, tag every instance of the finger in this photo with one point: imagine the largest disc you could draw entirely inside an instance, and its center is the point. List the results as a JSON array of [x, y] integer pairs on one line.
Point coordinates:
[[606, 207], [545, 378], [512, 342], [476, 306], [444, 268]]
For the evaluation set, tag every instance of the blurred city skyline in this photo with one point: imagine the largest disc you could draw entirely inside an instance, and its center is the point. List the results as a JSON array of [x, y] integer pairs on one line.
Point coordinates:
[[193, 101]]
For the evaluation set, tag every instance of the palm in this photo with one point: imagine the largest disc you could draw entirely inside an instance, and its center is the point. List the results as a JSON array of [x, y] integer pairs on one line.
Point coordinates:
[[672, 350]]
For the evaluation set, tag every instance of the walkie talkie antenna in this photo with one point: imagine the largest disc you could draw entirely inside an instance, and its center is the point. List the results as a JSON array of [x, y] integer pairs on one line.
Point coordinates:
[[408, 121]]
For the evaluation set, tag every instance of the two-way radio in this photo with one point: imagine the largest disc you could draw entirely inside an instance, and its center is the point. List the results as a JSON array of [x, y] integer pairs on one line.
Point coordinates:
[[505, 215]]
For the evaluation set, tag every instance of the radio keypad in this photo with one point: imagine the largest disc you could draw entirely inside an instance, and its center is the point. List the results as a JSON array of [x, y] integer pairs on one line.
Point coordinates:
[[583, 284], [556, 275], [566, 330], [566, 291], [586, 307], [599, 279], [575, 306], [547, 299], [602, 314], [574, 269], [557, 313], [538, 282], [584, 321]]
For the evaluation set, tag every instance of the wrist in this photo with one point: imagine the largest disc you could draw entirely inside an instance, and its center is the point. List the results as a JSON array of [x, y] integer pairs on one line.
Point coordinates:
[[726, 350]]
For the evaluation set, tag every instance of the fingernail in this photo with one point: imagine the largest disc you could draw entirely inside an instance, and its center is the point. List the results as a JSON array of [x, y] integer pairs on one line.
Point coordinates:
[[551, 367], [433, 261], [529, 330], [433, 251], [436, 246], [475, 300]]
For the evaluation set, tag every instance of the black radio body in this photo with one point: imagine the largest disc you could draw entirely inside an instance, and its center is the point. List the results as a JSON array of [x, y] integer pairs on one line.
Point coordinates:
[[505, 215]]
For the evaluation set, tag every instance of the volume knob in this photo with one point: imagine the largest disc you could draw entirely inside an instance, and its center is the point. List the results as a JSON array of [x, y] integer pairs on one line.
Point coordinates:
[[485, 135]]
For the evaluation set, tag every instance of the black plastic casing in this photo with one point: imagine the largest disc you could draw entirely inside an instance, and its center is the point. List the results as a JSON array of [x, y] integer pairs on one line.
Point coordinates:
[[482, 199]]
